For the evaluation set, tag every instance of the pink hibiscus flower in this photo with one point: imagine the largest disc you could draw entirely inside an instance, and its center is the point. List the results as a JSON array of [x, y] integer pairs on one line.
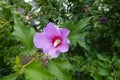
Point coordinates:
[[52, 40]]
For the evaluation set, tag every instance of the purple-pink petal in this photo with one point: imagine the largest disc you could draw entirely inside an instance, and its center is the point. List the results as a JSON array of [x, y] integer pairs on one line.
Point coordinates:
[[63, 48], [64, 33], [40, 40], [53, 53], [50, 30], [47, 48]]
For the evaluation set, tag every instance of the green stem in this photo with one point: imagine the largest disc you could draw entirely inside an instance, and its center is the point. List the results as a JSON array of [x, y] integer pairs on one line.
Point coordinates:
[[32, 60], [114, 73], [29, 62]]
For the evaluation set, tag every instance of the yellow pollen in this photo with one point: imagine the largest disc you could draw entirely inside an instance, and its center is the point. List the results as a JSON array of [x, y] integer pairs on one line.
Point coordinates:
[[57, 42]]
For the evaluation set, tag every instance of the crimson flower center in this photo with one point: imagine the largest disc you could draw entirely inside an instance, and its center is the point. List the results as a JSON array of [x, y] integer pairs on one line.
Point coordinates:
[[56, 41]]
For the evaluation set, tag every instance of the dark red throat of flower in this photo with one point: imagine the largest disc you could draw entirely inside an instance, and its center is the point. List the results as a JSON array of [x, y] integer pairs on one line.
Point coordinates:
[[56, 41]]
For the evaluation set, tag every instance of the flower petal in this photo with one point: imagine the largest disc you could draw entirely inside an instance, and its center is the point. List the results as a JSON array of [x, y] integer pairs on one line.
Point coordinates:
[[53, 53], [40, 40], [64, 33], [50, 30], [47, 48], [63, 48]]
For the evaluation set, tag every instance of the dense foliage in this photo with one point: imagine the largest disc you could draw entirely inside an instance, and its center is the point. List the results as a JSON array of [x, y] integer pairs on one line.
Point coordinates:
[[94, 52]]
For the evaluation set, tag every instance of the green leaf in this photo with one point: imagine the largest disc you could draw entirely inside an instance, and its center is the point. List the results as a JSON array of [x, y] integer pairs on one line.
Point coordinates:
[[96, 76], [35, 71], [17, 60], [82, 23], [23, 33], [9, 77], [76, 28], [69, 25], [78, 38], [77, 32], [100, 57], [77, 58], [117, 75], [60, 68], [83, 44], [117, 64], [110, 78], [103, 72]]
